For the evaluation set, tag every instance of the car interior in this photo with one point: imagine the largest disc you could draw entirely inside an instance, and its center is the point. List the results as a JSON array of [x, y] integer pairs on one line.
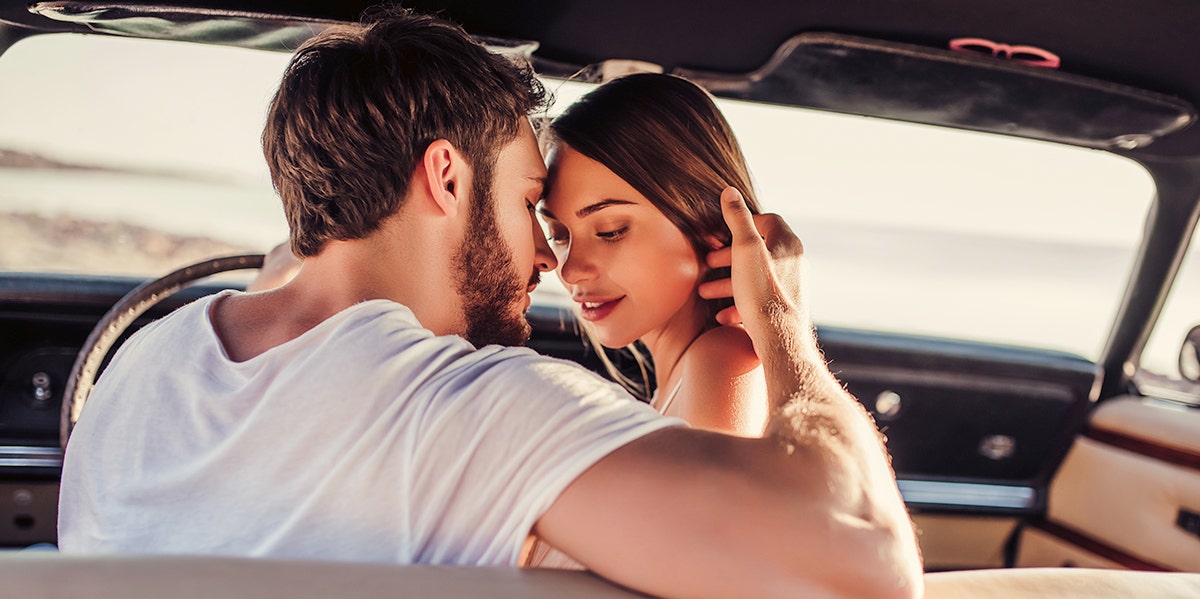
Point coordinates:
[[1031, 469]]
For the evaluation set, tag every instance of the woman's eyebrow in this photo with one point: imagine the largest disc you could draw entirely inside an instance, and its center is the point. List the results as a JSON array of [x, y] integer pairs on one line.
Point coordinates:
[[602, 204], [589, 209]]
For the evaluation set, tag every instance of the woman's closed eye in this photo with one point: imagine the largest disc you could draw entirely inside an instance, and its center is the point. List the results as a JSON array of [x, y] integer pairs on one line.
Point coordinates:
[[614, 234], [562, 237]]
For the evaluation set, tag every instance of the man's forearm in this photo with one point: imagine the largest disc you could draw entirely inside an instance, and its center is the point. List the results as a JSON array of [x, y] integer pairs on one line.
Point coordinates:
[[805, 398], [822, 463], [813, 414]]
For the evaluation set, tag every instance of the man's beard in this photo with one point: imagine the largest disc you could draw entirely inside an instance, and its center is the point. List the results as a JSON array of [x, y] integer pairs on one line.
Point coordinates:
[[487, 280]]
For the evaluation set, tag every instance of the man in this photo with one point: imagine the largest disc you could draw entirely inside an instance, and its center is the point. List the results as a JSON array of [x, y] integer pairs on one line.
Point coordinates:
[[349, 414]]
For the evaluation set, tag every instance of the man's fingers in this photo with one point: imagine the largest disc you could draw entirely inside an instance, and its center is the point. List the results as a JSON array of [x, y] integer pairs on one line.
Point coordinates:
[[737, 215], [719, 258], [729, 316], [717, 289]]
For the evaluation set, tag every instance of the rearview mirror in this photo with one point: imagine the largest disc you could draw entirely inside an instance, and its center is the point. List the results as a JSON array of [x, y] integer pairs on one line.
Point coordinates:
[[1189, 356]]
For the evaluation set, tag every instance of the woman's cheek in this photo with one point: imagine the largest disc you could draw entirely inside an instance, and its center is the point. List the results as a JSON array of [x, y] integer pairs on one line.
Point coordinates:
[[676, 278]]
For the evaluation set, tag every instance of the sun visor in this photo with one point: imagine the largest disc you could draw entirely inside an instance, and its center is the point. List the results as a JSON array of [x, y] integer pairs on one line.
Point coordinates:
[[257, 30], [213, 26], [965, 90]]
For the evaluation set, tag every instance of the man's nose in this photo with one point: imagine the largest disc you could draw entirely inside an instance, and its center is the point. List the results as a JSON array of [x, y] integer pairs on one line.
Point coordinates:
[[543, 257]]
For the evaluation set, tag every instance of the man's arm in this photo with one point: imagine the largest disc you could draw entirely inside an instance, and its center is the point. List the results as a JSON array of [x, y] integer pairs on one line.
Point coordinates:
[[809, 510]]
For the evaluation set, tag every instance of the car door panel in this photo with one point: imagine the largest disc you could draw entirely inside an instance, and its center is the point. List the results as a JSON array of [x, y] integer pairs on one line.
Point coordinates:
[[959, 413], [1127, 494], [974, 431]]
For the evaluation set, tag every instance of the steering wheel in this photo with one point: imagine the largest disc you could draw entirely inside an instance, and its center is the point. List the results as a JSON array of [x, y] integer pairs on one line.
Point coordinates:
[[119, 317]]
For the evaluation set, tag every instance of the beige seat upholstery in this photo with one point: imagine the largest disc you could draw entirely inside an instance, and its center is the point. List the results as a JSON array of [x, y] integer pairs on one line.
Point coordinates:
[[45, 574], [1060, 583], [53, 575]]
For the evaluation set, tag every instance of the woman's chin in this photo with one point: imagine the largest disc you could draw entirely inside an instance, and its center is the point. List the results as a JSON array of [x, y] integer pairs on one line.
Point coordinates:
[[613, 341]]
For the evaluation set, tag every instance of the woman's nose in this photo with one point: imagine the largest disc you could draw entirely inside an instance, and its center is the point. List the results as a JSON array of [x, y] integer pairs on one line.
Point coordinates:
[[574, 266]]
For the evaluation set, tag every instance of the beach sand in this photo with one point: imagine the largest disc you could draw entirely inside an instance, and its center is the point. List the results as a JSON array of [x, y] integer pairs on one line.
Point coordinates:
[[36, 243]]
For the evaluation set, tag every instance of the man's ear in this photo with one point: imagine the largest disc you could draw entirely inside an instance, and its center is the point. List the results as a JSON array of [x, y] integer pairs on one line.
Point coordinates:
[[447, 175]]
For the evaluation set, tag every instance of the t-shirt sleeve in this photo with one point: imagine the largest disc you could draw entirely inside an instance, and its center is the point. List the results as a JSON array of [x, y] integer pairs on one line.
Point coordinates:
[[503, 438]]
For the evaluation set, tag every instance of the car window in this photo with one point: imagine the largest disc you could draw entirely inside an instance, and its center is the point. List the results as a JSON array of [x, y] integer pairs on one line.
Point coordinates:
[[122, 156], [133, 157], [932, 231], [1159, 369]]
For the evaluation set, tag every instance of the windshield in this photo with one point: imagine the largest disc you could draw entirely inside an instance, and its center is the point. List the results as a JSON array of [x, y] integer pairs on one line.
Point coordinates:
[[135, 157]]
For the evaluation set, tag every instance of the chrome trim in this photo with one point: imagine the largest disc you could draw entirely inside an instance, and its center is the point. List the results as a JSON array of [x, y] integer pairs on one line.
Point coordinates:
[[19, 456], [931, 492]]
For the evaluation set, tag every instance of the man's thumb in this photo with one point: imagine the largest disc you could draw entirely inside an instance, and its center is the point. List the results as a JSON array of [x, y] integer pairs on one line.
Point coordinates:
[[737, 215]]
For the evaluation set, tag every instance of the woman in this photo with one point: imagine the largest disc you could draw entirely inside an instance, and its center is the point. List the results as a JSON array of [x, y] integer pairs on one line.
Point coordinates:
[[633, 205]]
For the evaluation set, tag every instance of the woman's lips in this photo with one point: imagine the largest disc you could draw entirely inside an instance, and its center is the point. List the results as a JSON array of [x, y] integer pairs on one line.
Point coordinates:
[[593, 311]]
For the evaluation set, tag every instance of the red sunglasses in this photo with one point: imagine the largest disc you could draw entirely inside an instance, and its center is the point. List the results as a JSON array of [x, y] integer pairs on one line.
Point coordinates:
[[1031, 55]]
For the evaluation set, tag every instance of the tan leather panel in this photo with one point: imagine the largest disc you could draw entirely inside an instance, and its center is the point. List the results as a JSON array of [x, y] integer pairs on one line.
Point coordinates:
[[953, 542], [1127, 501], [1039, 549], [1160, 422]]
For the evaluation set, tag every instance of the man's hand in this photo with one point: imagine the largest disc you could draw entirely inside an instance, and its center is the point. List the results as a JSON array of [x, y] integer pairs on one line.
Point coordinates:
[[766, 282], [766, 259]]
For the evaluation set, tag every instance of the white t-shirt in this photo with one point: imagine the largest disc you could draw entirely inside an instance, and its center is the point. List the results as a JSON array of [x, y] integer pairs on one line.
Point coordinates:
[[367, 438]]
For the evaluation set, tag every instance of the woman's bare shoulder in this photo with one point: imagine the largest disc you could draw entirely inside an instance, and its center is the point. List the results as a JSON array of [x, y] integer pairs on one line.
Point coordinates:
[[728, 350], [722, 386]]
